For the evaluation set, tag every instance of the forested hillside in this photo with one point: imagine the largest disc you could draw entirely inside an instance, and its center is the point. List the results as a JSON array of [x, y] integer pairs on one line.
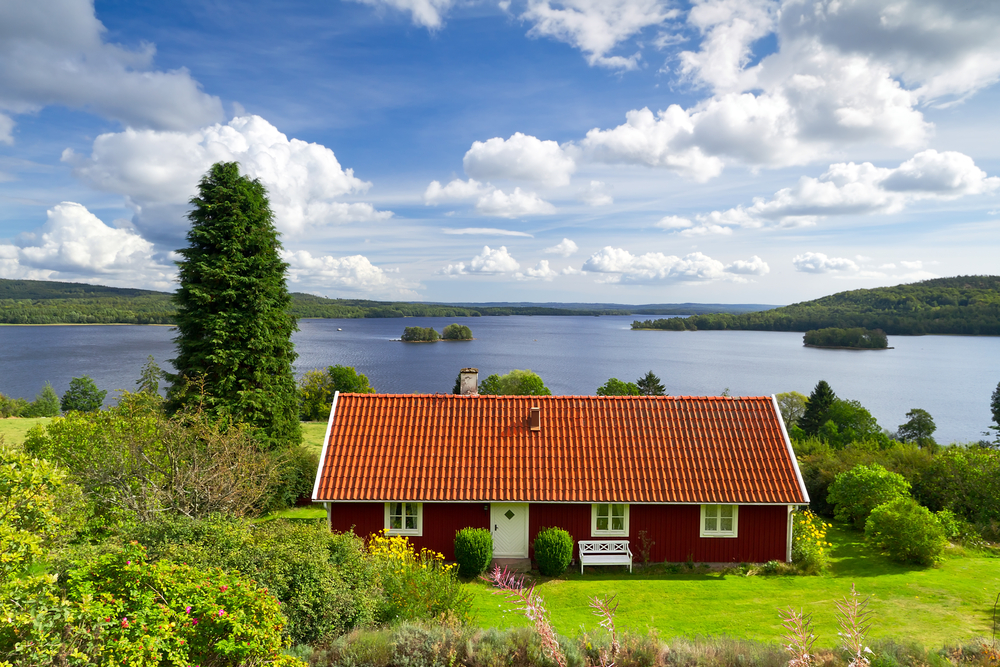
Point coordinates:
[[44, 302], [960, 305]]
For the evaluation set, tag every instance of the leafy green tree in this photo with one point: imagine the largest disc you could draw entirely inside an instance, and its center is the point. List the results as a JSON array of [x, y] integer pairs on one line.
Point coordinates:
[[650, 385], [12, 407], [82, 396], [234, 342], [919, 428], [46, 404], [149, 377], [615, 387], [515, 383], [420, 335], [316, 390], [853, 423], [995, 409], [817, 410], [456, 332], [792, 405], [856, 492]]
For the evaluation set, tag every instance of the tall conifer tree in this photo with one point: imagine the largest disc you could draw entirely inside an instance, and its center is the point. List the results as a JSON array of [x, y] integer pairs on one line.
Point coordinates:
[[234, 348], [818, 407]]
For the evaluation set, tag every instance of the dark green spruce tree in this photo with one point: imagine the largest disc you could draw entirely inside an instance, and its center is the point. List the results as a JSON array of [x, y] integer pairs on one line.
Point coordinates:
[[818, 408], [234, 347]]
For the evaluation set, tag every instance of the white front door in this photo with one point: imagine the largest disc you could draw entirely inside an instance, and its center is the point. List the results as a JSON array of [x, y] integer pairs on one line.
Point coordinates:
[[510, 530]]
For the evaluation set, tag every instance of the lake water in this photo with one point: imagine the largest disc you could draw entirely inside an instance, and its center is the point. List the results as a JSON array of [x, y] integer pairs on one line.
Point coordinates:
[[952, 377]]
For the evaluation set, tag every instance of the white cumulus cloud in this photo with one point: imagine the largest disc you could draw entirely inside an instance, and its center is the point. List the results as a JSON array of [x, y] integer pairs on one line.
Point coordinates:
[[522, 157], [53, 52], [158, 172], [854, 189], [596, 194], [624, 267], [564, 248], [489, 261], [490, 201], [354, 273], [817, 262], [73, 243], [542, 271], [596, 27], [426, 13]]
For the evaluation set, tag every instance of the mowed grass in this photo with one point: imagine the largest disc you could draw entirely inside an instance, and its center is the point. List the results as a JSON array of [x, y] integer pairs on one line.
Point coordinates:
[[934, 606], [312, 435], [13, 429]]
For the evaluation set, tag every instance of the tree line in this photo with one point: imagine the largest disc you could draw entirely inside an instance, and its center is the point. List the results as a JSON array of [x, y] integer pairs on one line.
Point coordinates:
[[960, 305], [857, 337]]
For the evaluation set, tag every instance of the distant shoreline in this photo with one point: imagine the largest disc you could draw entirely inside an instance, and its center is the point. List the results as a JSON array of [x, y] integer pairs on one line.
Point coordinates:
[[846, 347], [86, 324]]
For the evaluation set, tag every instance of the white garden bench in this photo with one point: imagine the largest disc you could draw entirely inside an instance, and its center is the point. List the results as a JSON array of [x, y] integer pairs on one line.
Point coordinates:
[[605, 552]]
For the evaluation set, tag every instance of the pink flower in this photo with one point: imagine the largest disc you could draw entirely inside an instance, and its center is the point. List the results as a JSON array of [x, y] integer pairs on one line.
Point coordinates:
[[125, 621], [223, 588], [222, 613], [187, 610], [130, 562]]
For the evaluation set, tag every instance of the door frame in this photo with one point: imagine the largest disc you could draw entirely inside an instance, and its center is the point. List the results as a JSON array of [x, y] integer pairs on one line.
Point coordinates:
[[495, 513]]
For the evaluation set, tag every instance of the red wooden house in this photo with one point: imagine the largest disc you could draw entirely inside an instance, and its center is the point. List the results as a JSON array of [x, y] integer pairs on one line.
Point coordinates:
[[709, 479]]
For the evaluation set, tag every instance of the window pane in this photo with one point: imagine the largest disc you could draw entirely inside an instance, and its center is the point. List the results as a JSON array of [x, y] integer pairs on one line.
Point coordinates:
[[618, 523], [411, 522], [602, 510], [726, 524], [602, 523], [726, 511], [618, 510], [711, 524], [395, 522]]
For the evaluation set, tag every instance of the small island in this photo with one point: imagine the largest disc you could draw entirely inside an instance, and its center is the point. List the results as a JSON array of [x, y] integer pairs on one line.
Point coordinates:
[[430, 335], [856, 338]]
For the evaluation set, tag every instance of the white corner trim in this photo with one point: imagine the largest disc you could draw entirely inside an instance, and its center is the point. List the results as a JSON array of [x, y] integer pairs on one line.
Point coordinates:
[[788, 446], [789, 529], [326, 445]]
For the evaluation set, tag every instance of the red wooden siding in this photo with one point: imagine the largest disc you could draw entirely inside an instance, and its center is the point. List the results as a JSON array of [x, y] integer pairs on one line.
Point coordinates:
[[673, 528], [441, 520]]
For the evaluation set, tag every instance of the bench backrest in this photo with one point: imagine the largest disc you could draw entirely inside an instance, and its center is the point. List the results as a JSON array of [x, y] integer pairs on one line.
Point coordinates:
[[603, 546]]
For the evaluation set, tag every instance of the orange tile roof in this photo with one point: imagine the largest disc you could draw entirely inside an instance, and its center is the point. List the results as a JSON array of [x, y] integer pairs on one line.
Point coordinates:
[[637, 449]]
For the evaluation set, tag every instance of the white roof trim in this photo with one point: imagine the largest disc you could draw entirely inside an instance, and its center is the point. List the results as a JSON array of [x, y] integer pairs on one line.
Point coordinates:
[[326, 444], [791, 451]]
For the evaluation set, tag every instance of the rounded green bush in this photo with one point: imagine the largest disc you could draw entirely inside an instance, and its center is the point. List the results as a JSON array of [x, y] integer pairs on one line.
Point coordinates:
[[473, 551], [553, 551], [858, 491], [906, 532]]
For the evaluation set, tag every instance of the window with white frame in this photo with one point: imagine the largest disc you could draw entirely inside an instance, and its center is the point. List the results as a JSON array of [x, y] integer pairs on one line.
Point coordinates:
[[719, 520], [609, 519], [404, 518]]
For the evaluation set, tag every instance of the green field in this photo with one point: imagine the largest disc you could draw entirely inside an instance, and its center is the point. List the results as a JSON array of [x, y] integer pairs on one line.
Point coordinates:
[[312, 434], [13, 429], [934, 606]]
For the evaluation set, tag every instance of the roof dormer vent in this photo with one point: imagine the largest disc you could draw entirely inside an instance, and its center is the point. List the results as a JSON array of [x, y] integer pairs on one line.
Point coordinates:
[[535, 419]]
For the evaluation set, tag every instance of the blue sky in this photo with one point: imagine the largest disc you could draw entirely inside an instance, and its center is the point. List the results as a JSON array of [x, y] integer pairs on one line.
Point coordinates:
[[632, 151]]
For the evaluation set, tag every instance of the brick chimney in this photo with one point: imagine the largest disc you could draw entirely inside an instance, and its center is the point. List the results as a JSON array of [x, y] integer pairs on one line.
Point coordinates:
[[469, 384]]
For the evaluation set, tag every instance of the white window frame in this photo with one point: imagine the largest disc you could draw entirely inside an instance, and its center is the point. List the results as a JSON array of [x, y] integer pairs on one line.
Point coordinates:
[[705, 532], [594, 532], [418, 531]]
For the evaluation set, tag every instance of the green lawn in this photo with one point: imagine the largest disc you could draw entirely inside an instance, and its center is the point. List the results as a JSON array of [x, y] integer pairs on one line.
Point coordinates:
[[13, 429], [312, 434], [934, 606]]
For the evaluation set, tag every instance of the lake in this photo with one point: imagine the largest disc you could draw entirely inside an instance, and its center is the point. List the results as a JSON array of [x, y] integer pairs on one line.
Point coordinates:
[[952, 377]]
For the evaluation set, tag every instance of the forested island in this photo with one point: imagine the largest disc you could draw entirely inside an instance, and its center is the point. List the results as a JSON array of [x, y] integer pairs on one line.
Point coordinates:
[[430, 334], [961, 305], [855, 338]]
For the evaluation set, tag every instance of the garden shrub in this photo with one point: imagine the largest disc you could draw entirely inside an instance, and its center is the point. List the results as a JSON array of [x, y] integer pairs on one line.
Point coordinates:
[[861, 489], [809, 545], [553, 551], [906, 532], [473, 551], [118, 608], [324, 580], [296, 468], [415, 585]]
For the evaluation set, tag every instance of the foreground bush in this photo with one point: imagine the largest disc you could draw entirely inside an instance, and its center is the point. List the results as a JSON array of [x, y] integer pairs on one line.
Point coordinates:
[[415, 585], [120, 609], [473, 551], [324, 580], [809, 545], [861, 489], [906, 532], [553, 551]]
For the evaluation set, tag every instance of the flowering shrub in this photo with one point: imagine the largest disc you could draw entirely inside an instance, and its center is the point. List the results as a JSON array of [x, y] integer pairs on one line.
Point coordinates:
[[415, 584], [809, 545], [120, 609]]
